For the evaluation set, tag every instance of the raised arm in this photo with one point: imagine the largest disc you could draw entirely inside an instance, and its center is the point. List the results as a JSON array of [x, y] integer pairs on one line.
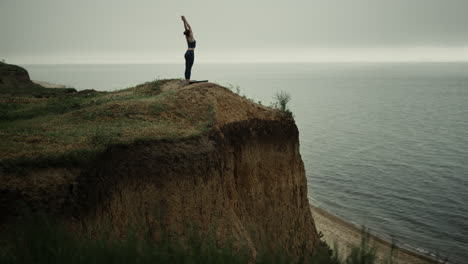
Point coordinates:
[[186, 24]]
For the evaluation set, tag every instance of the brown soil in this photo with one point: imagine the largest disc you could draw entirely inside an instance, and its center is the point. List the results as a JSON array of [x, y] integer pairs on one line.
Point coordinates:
[[228, 106]]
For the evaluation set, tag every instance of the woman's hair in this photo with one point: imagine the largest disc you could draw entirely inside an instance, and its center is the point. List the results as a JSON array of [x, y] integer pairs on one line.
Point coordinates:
[[187, 32]]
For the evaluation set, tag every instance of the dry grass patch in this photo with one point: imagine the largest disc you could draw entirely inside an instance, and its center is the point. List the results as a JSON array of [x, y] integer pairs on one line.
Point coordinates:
[[56, 128]]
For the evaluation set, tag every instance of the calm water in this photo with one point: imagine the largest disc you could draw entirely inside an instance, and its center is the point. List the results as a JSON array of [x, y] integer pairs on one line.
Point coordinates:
[[385, 145]]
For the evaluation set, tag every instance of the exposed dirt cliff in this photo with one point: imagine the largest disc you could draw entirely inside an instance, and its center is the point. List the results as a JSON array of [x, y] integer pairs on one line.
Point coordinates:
[[241, 181]]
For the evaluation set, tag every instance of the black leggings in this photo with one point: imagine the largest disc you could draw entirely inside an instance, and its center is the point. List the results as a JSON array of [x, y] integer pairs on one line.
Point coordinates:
[[189, 58]]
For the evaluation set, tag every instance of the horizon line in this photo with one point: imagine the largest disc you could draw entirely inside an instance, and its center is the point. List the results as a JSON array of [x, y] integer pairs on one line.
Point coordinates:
[[245, 62]]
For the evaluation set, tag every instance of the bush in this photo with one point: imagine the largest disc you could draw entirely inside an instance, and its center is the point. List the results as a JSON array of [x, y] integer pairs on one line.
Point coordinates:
[[282, 99], [365, 253]]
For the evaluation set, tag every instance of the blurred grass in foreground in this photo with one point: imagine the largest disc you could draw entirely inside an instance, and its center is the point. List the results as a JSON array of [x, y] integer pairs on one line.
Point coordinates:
[[39, 240]]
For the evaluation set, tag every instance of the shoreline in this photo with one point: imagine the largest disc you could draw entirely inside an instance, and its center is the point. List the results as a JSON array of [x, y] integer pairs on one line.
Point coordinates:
[[49, 84], [345, 235]]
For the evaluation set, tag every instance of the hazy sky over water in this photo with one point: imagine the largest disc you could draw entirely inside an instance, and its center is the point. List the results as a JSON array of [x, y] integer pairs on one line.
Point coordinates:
[[113, 31]]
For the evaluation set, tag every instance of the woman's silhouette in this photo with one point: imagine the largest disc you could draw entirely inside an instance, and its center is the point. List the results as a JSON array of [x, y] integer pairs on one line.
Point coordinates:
[[190, 53]]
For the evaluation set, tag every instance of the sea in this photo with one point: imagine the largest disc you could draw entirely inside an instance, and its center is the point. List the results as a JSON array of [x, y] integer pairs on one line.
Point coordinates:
[[385, 145]]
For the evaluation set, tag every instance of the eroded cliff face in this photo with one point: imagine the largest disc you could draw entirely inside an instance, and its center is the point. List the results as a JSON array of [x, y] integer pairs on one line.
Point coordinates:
[[243, 182]]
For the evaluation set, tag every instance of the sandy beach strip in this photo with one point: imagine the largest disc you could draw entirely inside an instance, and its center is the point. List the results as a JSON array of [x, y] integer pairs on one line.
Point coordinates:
[[344, 235], [49, 85]]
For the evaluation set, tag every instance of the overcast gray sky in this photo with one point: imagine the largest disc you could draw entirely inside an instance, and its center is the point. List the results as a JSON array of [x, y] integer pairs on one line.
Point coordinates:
[[150, 31]]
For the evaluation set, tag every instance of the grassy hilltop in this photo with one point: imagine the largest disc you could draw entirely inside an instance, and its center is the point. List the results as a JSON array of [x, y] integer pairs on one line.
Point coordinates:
[[38, 126]]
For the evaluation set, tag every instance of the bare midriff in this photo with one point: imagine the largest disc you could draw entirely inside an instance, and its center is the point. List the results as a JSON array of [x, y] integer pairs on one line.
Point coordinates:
[[191, 49]]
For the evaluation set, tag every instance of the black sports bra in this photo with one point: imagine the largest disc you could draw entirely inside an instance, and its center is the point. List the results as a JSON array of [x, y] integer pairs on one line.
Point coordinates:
[[191, 45]]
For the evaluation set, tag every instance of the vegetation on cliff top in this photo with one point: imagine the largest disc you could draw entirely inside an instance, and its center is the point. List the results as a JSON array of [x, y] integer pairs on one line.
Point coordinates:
[[45, 128]]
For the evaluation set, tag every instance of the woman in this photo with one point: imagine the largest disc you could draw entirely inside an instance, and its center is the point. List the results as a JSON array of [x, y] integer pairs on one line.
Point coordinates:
[[190, 54]]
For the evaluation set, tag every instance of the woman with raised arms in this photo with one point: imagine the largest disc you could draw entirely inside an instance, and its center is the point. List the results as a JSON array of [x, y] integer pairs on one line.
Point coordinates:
[[190, 53]]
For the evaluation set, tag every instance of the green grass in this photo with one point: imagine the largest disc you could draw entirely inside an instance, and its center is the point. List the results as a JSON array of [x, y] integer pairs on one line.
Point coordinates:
[[56, 128], [37, 239], [365, 253]]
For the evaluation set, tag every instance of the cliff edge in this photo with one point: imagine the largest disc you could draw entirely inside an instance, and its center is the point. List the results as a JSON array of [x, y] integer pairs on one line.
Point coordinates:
[[162, 155], [13, 77], [14, 80]]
